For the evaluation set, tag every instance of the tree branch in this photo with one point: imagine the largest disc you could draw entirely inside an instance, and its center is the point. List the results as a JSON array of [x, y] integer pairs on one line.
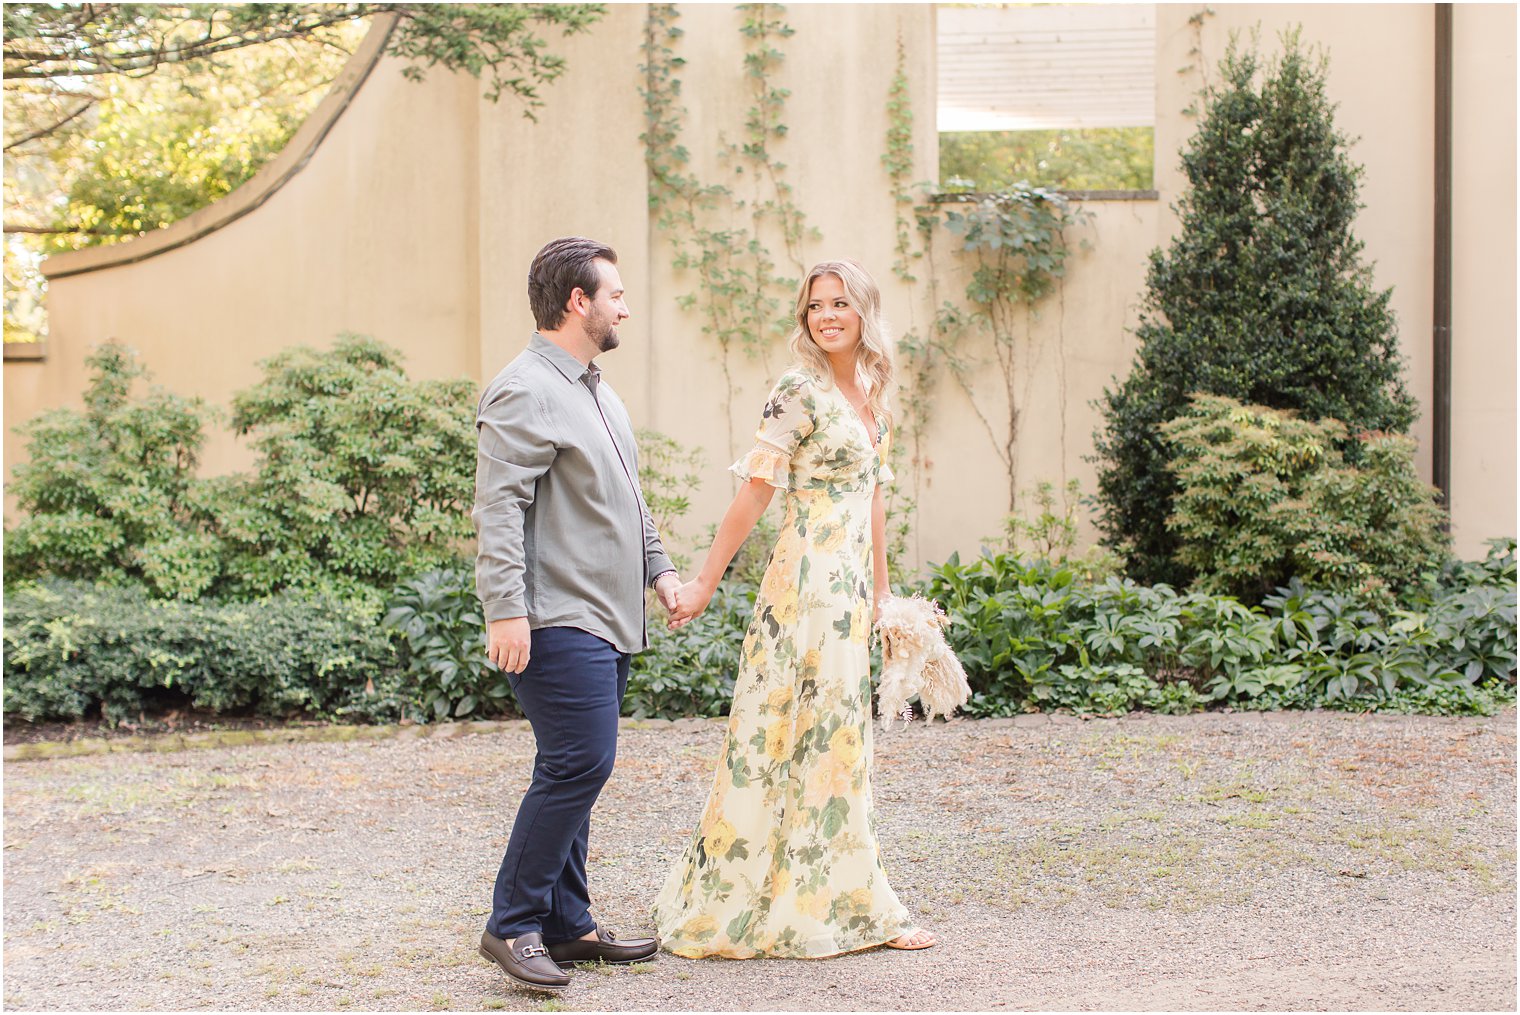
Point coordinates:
[[45, 131], [43, 64], [11, 227]]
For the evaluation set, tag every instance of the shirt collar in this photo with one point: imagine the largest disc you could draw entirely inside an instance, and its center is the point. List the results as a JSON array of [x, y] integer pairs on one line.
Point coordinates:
[[565, 363]]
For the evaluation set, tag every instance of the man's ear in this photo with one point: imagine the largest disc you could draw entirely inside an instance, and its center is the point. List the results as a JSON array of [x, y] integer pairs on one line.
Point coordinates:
[[573, 304]]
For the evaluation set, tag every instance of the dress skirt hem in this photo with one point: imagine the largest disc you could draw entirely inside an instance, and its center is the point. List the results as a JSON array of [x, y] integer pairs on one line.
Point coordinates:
[[695, 956]]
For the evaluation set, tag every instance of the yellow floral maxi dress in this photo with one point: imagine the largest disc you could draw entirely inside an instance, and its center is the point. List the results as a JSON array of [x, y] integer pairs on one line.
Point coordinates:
[[784, 862]]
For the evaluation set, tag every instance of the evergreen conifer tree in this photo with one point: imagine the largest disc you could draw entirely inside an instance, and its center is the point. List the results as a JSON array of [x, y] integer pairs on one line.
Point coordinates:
[[1262, 295]]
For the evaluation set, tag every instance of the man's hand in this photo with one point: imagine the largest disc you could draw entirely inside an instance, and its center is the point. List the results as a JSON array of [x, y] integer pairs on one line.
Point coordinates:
[[508, 643], [665, 587], [691, 599]]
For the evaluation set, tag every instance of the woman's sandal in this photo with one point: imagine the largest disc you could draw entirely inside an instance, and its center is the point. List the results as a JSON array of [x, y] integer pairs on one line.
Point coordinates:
[[901, 942]]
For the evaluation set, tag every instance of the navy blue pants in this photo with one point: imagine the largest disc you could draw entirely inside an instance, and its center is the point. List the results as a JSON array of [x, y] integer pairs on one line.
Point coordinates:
[[571, 692]]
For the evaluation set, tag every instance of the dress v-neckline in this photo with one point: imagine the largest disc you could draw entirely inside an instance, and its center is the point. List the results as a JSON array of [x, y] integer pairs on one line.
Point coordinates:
[[871, 438]]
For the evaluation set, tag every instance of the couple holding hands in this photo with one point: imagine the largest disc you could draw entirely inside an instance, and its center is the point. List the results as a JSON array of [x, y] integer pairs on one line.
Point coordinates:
[[784, 862]]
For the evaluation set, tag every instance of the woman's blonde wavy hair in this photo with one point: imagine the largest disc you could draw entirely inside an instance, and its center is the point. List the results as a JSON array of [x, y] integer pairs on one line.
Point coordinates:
[[873, 356]]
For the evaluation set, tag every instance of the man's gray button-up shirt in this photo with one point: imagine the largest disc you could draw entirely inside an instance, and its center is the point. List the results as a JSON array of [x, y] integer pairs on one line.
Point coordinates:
[[565, 537]]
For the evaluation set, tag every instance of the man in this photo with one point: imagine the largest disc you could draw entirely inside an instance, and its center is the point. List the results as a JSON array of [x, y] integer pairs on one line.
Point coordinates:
[[567, 547]]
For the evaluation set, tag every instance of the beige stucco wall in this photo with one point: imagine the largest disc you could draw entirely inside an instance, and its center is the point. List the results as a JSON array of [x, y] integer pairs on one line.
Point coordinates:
[[578, 170], [839, 68], [1063, 358], [415, 220], [1483, 452]]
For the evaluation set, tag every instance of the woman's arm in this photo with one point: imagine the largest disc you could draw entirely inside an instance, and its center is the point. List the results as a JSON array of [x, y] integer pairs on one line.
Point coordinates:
[[879, 553], [747, 507]]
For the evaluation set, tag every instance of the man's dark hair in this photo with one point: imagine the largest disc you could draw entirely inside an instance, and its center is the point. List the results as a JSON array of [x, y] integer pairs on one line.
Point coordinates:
[[564, 265]]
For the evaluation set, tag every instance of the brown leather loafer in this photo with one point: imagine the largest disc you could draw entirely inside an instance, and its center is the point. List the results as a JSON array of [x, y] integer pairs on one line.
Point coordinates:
[[606, 948], [525, 961]]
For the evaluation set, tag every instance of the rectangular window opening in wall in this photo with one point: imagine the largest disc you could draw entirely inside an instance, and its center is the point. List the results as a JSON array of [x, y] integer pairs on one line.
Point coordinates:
[[25, 290], [1058, 95]]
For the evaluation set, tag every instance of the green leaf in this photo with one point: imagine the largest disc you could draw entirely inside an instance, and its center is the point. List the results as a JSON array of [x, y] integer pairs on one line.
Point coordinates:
[[833, 815]]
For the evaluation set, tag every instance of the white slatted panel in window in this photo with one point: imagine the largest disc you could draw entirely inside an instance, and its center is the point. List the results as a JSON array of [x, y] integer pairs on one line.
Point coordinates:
[[1047, 66]]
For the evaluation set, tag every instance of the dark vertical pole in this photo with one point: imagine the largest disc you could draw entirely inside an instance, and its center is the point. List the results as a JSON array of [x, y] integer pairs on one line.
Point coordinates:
[[1441, 317]]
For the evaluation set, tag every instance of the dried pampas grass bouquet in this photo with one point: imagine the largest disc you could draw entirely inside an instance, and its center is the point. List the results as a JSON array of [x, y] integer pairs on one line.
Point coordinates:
[[916, 660]]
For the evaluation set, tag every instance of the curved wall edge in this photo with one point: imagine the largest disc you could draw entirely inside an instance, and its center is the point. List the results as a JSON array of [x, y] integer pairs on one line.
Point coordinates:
[[259, 188]]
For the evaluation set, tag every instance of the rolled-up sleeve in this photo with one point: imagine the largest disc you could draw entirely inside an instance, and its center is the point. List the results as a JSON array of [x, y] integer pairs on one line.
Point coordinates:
[[516, 446]]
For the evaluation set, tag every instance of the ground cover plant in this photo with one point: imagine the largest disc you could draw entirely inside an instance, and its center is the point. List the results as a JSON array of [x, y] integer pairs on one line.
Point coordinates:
[[441, 628], [1035, 635], [691, 672], [75, 649]]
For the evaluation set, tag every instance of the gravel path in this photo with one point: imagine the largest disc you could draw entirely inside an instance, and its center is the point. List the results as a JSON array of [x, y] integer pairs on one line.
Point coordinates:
[[1220, 861]]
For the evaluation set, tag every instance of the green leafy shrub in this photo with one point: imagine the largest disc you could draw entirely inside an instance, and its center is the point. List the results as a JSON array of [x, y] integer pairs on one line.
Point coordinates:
[[1472, 629], [72, 649], [1261, 296], [1264, 496], [691, 672], [1024, 629], [364, 476], [443, 633], [1035, 635], [1112, 689], [1496, 569], [1012, 623], [110, 494]]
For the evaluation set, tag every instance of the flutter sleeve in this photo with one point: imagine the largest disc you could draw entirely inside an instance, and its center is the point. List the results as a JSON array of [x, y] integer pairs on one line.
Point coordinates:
[[785, 423]]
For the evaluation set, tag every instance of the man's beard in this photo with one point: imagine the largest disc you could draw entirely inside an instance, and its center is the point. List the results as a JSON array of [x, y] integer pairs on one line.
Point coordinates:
[[603, 331]]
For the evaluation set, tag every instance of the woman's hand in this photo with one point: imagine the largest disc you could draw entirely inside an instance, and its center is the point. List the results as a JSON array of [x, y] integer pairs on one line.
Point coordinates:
[[883, 593], [747, 507], [691, 599]]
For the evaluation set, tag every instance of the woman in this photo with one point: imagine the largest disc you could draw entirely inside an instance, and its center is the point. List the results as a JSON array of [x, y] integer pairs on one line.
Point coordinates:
[[784, 862]]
